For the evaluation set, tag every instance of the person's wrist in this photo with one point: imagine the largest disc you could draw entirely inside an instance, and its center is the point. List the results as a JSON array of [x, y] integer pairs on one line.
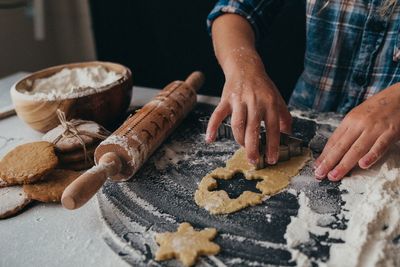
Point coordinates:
[[241, 60], [243, 68]]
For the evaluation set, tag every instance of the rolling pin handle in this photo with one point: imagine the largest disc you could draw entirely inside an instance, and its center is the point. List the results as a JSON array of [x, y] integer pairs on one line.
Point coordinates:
[[195, 80], [85, 186]]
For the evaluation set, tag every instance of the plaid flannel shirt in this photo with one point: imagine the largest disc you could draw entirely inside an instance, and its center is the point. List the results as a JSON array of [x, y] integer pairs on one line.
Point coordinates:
[[352, 49]]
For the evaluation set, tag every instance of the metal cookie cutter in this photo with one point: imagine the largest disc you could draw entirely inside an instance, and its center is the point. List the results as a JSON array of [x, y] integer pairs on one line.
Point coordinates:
[[289, 146]]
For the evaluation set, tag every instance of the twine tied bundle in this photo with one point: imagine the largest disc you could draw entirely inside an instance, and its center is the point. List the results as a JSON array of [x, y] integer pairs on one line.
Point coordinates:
[[71, 130]]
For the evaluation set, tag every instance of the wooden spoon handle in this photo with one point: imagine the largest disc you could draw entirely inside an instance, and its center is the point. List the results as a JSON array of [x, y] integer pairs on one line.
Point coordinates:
[[85, 186]]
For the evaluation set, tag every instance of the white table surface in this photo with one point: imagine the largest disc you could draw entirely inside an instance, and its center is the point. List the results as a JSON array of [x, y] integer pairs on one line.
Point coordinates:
[[48, 235]]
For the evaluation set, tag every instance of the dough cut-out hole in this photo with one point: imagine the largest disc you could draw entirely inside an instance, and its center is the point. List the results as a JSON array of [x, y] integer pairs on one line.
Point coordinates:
[[237, 185]]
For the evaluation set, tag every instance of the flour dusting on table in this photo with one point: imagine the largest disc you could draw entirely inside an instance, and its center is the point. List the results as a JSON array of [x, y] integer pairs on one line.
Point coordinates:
[[355, 223], [71, 83], [372, 211]]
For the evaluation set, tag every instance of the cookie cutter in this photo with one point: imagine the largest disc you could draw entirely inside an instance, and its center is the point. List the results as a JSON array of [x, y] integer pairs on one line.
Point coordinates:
[[289, 146]]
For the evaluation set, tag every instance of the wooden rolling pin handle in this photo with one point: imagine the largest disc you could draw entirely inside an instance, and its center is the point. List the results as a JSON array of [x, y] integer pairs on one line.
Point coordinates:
[[85, 186], [195, 80]]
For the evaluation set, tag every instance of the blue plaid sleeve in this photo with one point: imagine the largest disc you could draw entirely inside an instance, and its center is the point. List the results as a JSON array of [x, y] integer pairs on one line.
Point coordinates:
[[259, 13]]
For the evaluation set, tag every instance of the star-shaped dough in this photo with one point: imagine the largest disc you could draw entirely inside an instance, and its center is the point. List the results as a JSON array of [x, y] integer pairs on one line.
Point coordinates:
[[273, 179], [186, 244]]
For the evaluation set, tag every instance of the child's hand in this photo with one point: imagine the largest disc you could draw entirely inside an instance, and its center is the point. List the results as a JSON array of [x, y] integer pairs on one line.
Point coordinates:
[[251, 97], [363, 136]]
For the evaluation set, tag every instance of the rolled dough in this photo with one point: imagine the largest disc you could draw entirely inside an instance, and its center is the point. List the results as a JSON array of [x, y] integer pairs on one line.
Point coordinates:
[[273, 180], [186, 244]]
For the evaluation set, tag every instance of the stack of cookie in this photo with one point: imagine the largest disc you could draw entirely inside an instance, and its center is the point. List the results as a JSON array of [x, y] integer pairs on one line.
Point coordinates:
[[28, 173], [75, 142], [42, 170]]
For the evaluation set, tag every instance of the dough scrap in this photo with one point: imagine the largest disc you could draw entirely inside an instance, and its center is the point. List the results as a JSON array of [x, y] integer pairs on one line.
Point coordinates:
[[28, 163], [12, 200], [274, 179], [51, 189], [186, 244]]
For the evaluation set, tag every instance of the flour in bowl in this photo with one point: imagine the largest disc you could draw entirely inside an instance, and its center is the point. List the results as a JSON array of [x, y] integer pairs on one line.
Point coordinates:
[[71, 83]]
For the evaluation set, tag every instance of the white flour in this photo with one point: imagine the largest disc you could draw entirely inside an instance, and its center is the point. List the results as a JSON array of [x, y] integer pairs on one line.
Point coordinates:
[[372, 208], [122, 141], [170, 154], [71, 83], [324, 118], [174, 153]]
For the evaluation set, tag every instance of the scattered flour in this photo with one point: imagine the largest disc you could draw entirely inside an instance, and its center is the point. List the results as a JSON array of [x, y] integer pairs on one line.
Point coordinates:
[[241, 239], [71, 83], [100, 168], [171, 154], [123, 143], [147, 206], [372, 208], [324, 118]]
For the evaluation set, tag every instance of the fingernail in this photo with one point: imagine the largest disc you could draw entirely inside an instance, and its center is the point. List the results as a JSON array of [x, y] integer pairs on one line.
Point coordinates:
[[333, 175], [253, 161], [367, 162], [364, 164], [320, 172], [208, 138], [271, 160]]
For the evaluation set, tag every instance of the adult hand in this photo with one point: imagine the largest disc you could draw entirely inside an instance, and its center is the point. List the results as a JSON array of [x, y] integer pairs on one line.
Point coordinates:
[[363, 136], [251, 97]]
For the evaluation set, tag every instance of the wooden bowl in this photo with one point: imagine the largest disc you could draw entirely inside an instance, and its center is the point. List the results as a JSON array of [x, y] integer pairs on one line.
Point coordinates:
[[105, 107]]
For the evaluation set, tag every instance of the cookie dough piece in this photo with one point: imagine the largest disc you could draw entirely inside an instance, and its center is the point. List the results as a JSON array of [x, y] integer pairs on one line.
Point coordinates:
[[28, 163], [186, 244], [219, 202], [273, 180], [51, 189], [12, 200], [68, 144], [77, 156]]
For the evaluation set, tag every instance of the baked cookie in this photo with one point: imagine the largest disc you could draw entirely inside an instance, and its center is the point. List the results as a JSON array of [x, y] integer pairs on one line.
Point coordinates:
[[78, 166], [51, 189], [3, 183], [28, 163], [77, 156], [72, 143], [186, 244], [12, 200]]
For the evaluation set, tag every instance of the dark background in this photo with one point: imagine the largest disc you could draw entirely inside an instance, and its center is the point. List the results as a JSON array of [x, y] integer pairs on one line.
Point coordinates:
[[162, 41]]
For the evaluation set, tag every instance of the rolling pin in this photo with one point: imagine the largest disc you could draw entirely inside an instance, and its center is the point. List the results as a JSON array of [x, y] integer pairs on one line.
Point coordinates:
[[122, 154]]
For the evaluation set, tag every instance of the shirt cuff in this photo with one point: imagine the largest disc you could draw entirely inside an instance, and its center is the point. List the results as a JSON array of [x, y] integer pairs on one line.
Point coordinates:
[[234, 7]]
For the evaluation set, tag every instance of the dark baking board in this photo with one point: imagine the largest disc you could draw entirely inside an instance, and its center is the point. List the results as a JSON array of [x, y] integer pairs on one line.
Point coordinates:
[[251, 237]]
